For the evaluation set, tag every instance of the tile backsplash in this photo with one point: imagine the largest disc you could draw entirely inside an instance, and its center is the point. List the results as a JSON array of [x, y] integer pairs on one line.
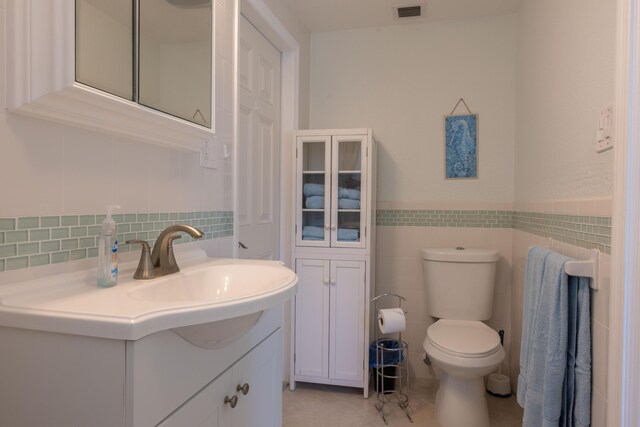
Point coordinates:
[[34, 241]]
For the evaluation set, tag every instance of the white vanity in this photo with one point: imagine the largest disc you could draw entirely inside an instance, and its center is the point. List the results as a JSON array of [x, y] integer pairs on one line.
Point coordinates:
[[199, 347]]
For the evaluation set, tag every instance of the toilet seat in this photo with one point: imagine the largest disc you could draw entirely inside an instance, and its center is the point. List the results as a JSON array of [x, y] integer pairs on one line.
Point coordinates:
[[464, 338]]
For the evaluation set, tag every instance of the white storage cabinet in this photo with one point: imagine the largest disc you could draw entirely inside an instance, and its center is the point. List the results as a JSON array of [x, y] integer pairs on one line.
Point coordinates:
[[333, 256]]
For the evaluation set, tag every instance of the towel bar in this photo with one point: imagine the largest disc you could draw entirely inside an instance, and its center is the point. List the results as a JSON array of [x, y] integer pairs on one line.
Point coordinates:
[[584, 268], [588, 268]]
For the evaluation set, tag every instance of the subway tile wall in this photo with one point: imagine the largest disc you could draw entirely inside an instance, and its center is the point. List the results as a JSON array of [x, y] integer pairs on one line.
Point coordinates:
[[34, 241]]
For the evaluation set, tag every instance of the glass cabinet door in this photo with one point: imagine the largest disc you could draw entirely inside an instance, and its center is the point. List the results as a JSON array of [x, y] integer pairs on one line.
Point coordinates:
[[348, 196], [314, 191]]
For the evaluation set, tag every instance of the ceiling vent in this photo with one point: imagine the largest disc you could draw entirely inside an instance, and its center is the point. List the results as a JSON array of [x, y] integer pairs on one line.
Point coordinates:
[[411, 11]]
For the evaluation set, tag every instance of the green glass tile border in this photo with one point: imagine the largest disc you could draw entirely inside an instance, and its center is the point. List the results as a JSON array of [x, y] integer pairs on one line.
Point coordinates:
[[444, 218], [589, 232], [583, 231], [33, 241]]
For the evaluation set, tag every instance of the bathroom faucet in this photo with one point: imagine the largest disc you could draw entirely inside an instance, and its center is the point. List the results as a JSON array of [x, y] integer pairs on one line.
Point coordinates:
[[161, 261]]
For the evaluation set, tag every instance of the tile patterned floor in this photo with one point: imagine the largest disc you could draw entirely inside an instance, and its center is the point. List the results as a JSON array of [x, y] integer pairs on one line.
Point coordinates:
[[313, 405]]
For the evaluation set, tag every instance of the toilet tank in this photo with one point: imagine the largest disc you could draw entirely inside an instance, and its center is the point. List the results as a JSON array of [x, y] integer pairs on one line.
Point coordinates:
[[460, 282]]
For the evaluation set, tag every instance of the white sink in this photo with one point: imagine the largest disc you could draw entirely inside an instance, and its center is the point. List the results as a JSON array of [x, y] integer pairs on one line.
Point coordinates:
[[215, 283], [206, 290]]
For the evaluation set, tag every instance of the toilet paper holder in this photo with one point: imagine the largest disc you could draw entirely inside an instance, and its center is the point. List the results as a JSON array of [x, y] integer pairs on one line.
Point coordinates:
[[390, 364]]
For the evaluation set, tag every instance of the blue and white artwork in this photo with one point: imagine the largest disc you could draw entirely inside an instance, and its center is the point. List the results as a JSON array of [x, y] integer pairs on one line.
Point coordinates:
[[461, 146]]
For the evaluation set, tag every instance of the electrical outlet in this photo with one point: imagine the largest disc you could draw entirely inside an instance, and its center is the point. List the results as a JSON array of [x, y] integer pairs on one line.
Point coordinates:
[[209, 155]]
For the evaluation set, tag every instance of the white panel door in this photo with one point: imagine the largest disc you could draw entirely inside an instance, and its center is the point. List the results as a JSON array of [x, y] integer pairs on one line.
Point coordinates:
[[346, 354], [312, 321], [258, 144]]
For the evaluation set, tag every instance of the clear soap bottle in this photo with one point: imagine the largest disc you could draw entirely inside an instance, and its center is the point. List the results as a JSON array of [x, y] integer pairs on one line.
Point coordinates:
[[108, 251]]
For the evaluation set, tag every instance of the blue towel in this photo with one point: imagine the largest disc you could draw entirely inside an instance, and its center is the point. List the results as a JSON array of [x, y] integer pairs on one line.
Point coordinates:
[[313, 238], [576, 402], [348, 204], [314, 202], [310, 231], [310, 189], [348, 235], [532, 286], [348, 193], [547, 360]]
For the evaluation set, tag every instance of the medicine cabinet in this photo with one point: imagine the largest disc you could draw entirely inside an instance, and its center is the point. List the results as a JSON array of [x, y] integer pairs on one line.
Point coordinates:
[[136, 68]]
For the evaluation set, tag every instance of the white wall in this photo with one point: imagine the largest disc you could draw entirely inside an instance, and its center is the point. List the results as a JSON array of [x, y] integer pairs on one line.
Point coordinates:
[[400, 80], [565, 77]]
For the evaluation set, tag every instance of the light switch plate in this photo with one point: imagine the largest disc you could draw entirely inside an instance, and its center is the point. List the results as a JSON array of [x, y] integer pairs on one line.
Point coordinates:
[[209, 155], [604, 134]]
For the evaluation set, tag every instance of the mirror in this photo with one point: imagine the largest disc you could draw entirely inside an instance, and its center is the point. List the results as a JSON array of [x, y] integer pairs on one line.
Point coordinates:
[[104, 45], [173, 55], [175, 58]]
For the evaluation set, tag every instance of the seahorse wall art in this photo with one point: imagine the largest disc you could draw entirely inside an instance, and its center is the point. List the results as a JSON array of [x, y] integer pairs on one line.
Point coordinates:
[[461, 146]]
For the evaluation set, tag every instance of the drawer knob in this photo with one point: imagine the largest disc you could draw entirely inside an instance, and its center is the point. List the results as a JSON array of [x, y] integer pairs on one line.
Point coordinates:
[[232, 401], [244, 388]]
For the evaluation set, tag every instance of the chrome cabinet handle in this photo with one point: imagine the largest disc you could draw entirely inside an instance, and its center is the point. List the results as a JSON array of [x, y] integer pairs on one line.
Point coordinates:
[[232, 401], [244, 388]]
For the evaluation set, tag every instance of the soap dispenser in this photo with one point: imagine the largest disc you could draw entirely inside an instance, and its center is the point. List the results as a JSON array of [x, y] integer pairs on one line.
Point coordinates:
[[108, 251]]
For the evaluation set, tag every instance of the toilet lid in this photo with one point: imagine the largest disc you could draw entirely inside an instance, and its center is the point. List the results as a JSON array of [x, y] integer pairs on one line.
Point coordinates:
[[464, 338]]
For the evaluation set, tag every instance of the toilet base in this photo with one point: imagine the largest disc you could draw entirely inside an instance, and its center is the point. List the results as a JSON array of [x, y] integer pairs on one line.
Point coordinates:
[[461, 402]]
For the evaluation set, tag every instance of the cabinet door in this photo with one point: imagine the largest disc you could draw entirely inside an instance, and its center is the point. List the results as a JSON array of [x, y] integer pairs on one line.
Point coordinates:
[[175, 58], [348, 191], [346, 356], [261, 372], [312, 318], [104, 45], [313, 191], [206, 408]]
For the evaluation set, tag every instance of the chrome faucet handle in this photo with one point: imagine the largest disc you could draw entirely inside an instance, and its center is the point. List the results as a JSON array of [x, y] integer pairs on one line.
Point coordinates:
[[145, 266]]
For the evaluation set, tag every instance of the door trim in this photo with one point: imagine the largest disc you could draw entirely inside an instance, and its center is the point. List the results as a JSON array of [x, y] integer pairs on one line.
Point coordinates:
[[624, 340]]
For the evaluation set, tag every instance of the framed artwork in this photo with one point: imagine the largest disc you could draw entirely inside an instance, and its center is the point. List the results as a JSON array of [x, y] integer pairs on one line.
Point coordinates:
[[461, 146]]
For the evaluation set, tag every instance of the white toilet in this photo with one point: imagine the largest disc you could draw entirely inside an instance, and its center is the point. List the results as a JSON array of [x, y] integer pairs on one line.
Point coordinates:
[[459, 284]]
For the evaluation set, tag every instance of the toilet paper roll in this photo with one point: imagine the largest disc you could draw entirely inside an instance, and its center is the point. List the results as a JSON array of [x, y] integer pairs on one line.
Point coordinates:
[[391, 320]]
